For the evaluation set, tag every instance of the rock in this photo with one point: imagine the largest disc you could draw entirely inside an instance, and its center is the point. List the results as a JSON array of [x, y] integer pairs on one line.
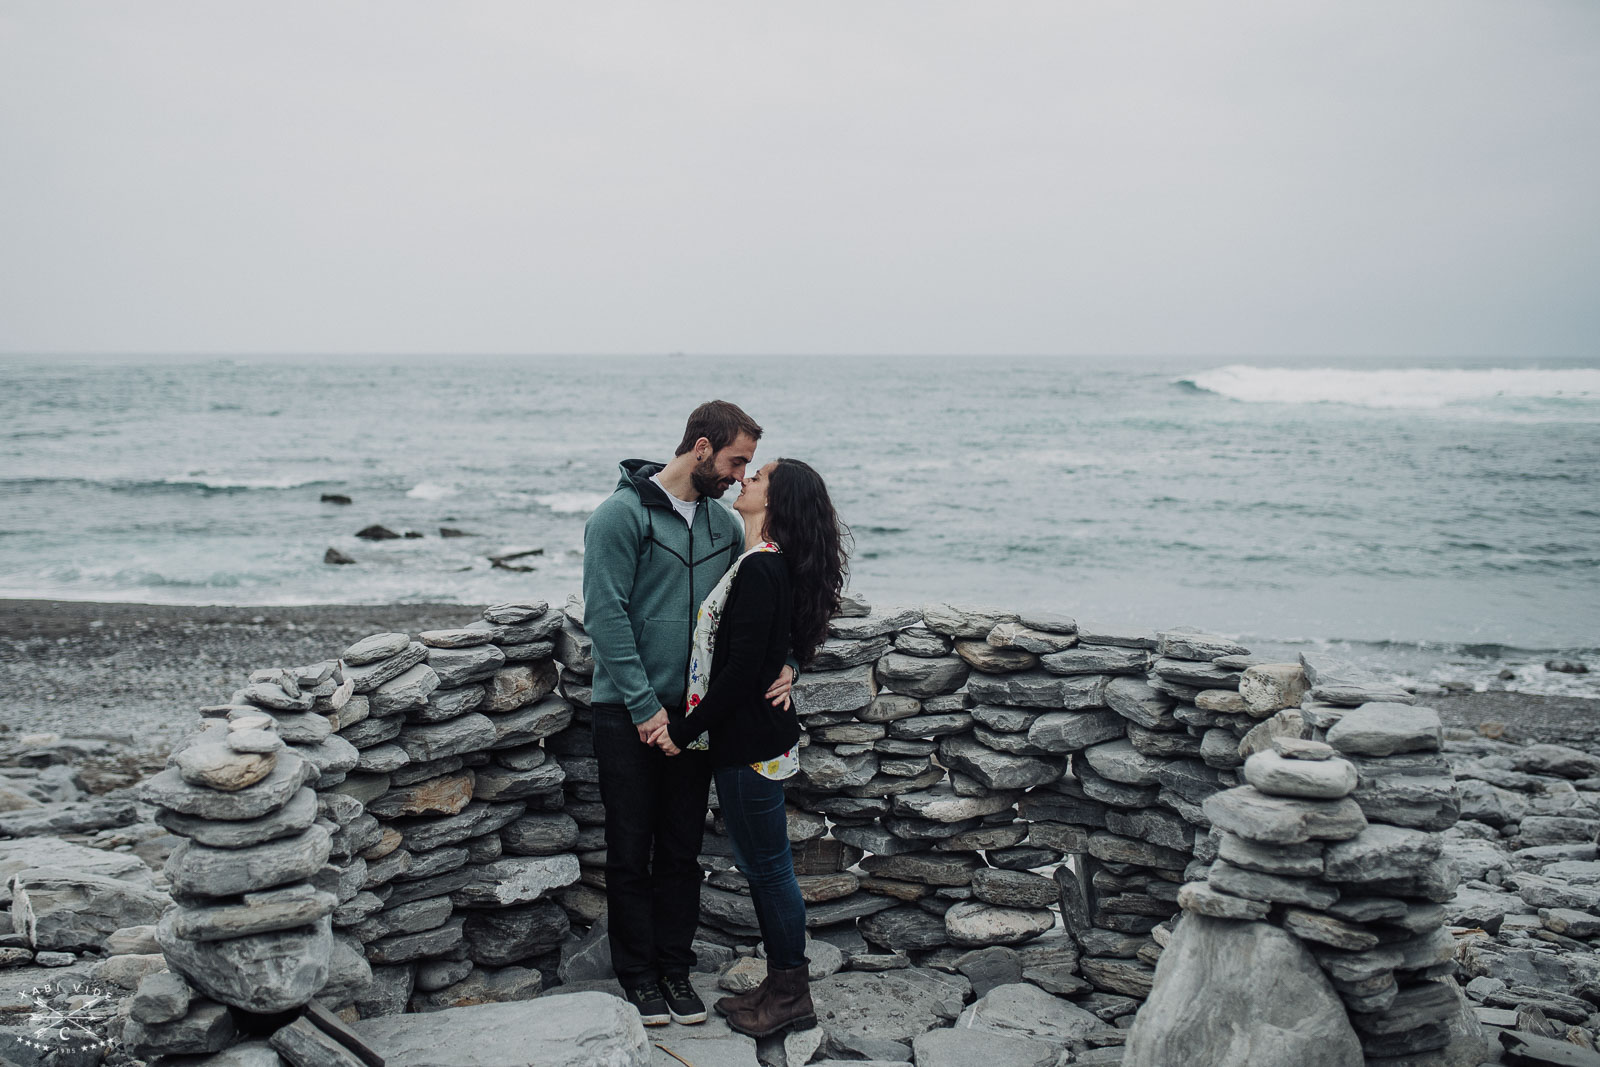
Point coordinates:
[[1203, 899], [376, 648], [498, 936], [1271, 888], [334, 556], [1271, 687], [53, 853], [1029, 639], [1073, 731], [200, 870], [71, 817], [961, 1048], [997, 770], [404, 692], [408, 946], [57, 908], [169, 790], [894, 1006], [1284, 726], [162, 997], [1258, 817], [517, 880], [828, 772], [261, 973], [498, 986], [963, 622], [836, 655], [1559, 760], [993, 659], [465, 733], [1096, 659], [1245, 994], [1040, 689], [1380, 852], [1327, 930], [1531, 1050], [364, 679], [917, 676], [564, 1030], [1314, 779], [819, 692], [1014, 889], [1302, 860], [1223, 701], [1119, 761], [942, 804], [857, 628], [1382, 729], [979, 924], [1025, 1011], [1565, 666], [218, 766], [987, 968]]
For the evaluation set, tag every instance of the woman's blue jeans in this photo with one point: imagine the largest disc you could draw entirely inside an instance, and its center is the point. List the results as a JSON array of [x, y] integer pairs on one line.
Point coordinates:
[[752, 808]]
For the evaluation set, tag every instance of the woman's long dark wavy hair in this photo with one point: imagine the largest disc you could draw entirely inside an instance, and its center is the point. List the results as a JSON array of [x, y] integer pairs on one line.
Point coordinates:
[[816, 545]]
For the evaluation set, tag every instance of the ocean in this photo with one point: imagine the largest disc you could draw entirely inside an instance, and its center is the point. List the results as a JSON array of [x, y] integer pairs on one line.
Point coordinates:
[[1439, 521]]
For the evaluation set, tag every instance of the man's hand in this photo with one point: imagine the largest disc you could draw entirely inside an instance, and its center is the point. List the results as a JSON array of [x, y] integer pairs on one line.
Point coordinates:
[[779, 693], [648, 728], [663, 740]]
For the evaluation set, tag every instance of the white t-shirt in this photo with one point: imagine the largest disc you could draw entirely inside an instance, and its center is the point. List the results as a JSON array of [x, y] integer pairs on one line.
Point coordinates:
[[682, 507]]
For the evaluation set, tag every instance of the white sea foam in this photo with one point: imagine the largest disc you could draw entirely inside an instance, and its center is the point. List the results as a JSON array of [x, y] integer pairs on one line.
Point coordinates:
[[430, 491], [571, 503], [213, 481], [1394, 388]]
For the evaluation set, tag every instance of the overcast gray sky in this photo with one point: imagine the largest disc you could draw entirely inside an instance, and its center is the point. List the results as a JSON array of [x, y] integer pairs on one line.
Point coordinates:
[[1253, 179]]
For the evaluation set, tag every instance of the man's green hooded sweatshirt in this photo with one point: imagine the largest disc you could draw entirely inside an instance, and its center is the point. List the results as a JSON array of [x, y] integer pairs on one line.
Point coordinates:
[[645, 572]]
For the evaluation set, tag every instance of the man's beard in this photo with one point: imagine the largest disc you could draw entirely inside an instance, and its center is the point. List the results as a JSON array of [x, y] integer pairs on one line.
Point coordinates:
[[706, 481]]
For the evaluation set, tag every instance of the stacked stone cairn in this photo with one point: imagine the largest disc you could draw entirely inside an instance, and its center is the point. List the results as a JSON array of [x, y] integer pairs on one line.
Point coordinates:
[[1336, 838], [381, 832], [988, 802]]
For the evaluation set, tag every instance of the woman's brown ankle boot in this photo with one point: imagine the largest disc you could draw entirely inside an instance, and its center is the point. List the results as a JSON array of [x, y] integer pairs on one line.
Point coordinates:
[[787, 1004], [742, 1001]]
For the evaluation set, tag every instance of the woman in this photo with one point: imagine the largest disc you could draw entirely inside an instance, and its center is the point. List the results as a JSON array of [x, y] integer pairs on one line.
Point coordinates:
[[780, 594]]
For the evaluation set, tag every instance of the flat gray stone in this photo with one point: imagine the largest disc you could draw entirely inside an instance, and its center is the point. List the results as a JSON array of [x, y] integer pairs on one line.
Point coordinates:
[[1040, 689], [463, 666], [1119, 761], [168, 790], [367, 677], [465, 733], [496, 937], [1020, 636], [202, 871], [448, 703], [1312, 779], [562, 1030], [1204, 899], [1272, 888], [1025, 1011], [998, 770], [406, 691], [956, 1047], [1257, 817], [956, 620], [375, 648], [61, 909], [919, 676], [862, 627], [260, 913], [517, 880], [992, 659], [1097, 659], [1381, 852], [1073, 731], [1383, 729], [975, 923]]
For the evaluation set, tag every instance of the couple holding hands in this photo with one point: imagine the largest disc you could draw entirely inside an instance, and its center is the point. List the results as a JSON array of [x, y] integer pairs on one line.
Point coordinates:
[[700, 622]]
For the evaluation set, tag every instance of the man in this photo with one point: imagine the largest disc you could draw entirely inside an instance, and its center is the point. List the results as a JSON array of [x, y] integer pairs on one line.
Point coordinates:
[[652, 552]]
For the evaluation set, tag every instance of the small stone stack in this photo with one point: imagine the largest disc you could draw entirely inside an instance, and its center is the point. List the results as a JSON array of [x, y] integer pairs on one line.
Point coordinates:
[[251, 926], [1336, 838]]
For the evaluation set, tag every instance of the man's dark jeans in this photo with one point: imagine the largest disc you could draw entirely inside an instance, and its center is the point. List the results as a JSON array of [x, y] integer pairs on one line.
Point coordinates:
[[752, 806], [655, 819]]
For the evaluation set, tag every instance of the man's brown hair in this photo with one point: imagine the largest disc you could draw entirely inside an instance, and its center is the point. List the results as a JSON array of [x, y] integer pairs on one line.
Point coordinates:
[[719, 422]]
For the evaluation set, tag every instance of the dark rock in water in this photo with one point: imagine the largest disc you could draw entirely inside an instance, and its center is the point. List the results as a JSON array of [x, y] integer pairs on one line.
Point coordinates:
[[335, 498], [333, 555], [412, 535], [451, 531], [1566, 666], [376, 532]]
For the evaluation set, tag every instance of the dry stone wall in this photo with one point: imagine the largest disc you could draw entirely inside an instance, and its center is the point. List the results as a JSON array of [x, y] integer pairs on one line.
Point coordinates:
[[417, 824]]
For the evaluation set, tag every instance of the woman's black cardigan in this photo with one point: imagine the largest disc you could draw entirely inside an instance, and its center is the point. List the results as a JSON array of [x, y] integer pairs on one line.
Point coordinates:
[[751, 648]]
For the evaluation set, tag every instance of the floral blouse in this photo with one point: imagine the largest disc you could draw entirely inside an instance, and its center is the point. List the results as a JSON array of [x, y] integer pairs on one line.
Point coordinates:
[[705, 642]]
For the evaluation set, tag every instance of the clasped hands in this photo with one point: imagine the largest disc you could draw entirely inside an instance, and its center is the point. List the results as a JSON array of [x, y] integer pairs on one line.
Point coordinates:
[[653, 731]]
